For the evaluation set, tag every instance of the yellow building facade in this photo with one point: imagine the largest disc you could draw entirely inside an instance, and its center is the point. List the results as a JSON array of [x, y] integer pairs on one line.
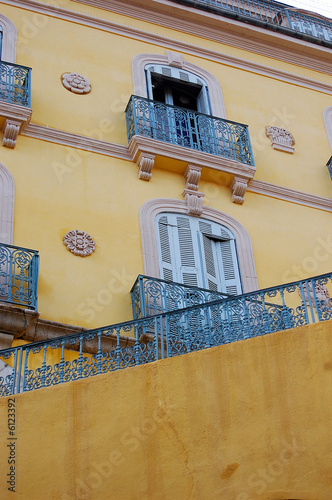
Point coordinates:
[[187, 142]]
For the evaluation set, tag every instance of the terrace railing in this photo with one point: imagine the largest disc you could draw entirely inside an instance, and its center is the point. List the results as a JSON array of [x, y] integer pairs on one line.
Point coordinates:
[[18, 276], [329, 166], [42, 364], [189, 129], [15, 84], [150, 296], [270, 15]]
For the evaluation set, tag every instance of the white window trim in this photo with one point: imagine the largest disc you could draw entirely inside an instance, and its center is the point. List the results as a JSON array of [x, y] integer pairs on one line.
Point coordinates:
[[9, 38], [7, 195], [327, 115], [152, 208], [173, 59]]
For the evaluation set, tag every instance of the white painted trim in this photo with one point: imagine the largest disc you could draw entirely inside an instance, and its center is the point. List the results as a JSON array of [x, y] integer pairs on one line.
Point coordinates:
[[9, 37], [171, 44], [327, 115], [292, 195], [215, 93], [7, 195], [77, 141], [152, 208], [223, 30]]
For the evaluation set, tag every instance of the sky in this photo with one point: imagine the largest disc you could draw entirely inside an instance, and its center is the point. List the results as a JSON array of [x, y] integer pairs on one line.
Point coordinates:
[[323, 7]]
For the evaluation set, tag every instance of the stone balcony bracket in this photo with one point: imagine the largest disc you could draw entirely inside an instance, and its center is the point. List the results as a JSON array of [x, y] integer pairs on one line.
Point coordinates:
[[16, 119]]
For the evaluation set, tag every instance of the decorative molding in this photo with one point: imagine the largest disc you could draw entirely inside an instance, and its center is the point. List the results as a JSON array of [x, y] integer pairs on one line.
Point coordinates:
[[76, 141], [16, 119], [10, 131], [139, 79], [194, 201], [192, 174], [9, 38], [79, 243], [152, 208], [327, 116], [145, 162], [76, 83], [281, 139], [238, 189], [224, 30], [287, 194], [310, 62], [143, 146], [7, 198]]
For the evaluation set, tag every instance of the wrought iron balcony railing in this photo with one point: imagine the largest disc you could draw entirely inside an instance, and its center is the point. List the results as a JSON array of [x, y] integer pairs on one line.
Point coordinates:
[[32, 366], [329, 166], [15, 84], [18, 276], [270, 15], [189, 129], [150, 296]]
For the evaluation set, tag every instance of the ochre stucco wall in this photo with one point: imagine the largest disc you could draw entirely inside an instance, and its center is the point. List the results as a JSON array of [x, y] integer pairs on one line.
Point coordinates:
[[245, 421]]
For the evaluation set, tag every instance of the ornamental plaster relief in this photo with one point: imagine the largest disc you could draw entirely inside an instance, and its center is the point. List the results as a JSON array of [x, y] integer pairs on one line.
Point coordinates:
[[76, 83], [281, 139], [79, 243]]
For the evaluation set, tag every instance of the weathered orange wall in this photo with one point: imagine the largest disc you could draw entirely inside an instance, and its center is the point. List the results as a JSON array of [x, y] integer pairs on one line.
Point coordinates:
[[248, 420]]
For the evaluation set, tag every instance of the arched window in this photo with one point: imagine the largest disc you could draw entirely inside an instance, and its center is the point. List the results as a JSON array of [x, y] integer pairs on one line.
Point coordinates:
[[198, 252], [7, 189], [177, 87], [8, 40], [213, 251]]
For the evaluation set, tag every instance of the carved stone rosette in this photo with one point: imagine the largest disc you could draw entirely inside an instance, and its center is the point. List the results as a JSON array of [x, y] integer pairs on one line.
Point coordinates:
[[79, 243], [76, 83], [281, 139]]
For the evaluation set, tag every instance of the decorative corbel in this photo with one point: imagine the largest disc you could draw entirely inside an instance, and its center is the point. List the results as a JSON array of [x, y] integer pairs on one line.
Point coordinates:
[[194, 200], [145, 164], [238, 189], [174, 59], [192, 174], [10, 130]]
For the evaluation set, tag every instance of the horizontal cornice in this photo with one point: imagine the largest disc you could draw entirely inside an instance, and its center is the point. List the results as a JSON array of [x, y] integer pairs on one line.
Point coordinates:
[[292, 195], [76, 141], [222, 30], [119, 151], [169, 43]]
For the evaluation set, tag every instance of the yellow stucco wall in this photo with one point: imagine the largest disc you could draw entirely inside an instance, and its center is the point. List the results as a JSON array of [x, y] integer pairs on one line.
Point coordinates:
[[245, 421], [60, 188]]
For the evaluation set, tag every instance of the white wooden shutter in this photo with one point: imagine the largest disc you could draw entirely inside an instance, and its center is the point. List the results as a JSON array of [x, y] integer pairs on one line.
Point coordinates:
[[165, 255], [231, 276], [189, 257], [210, 277]]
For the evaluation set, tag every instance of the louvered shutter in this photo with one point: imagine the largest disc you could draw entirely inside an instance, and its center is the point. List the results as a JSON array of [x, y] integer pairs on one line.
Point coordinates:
[[165, 254], [231, 277], [210, 270], [188, 248]]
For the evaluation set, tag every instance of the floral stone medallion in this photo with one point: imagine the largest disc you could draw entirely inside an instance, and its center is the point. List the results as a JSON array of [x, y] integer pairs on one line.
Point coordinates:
[[76, 83], [79, 243]]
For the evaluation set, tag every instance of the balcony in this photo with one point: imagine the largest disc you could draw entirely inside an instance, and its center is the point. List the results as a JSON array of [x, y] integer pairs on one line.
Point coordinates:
[[198, 140], [18, 276], [15, 100], [270, 15], [165, 335], [329, 166]]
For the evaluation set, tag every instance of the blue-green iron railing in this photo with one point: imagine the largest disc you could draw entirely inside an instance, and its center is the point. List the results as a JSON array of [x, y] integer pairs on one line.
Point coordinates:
[[15, 84], [270, 15], [329, 166], [150, 296], [32, 366], [18, 276], [189, 129]]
